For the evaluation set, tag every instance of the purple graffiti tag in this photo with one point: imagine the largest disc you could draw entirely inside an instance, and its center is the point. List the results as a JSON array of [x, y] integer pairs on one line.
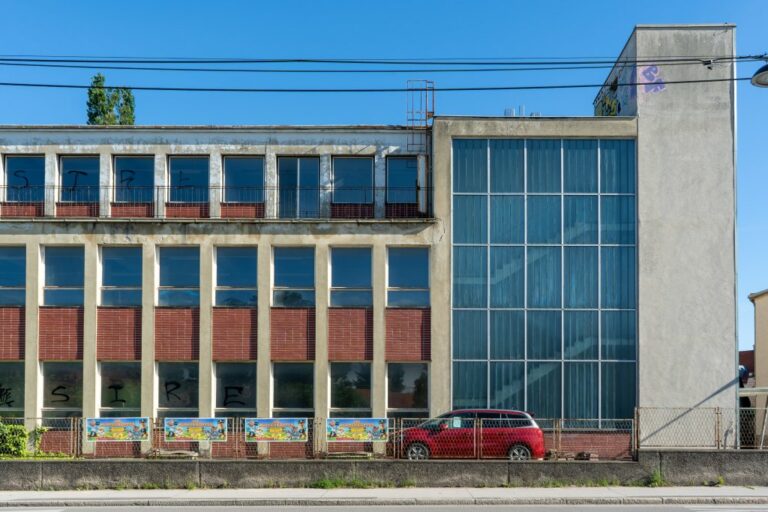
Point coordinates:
[[653, 82]]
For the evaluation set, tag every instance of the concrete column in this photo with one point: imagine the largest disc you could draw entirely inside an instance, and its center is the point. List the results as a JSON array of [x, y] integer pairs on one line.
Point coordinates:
[[105, 183], [379, 365], [380, 183], [322, 380], [270, 184], [33, 382], [148, 376], [51, 182], [216, 180], [161, 184], [264, 358], [326, 185], [206, 398], [90, 366]]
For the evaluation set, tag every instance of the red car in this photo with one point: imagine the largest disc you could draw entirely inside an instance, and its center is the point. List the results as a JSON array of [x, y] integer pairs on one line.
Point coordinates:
[[469, 433]]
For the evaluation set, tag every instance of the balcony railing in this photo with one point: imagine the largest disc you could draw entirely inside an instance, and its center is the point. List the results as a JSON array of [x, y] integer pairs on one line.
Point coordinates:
[[227, 202]]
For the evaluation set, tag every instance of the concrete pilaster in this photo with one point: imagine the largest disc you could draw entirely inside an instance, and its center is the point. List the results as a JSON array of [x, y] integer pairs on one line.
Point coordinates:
[[379, 364], [326, 185], [216, 180], [206, 397], [322, 379], [263, 359], [270, 183], [380, 183], [51, 182], [161, 183], [90, 365], [148, 377], [32, 378], [105, 183]]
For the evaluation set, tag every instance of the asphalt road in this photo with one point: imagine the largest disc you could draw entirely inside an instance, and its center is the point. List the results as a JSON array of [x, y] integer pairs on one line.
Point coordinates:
[[461, 508]]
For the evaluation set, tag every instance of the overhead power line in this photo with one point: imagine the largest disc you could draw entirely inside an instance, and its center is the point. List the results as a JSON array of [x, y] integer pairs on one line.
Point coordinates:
[[363, 90]]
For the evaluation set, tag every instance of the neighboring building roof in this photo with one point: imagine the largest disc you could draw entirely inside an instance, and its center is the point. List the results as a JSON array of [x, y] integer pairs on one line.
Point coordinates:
[[753, 296], [205, 127]]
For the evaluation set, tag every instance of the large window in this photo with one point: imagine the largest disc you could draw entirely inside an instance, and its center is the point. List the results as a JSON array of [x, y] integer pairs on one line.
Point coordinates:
[[178, 389], [294, 280], [179, 277], [121, 276], [236, 282], [299, 182], [79, 179], [351, 277], [120, 389], [293, 385], [13, 275], [407, 390], [408, 277], [189, 179], [402, 180], [353, 180], [62, 389], [350, 390], [25, 179], [64, 275], [544, 277], [11, 389], [243, 179], [134, 179], [235, 389]]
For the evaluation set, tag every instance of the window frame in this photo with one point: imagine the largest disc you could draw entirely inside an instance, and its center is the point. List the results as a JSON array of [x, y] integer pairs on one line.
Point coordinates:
[[162, 411], [335, 411], [217, 287], [370, 193], [292, 412], [418, 186], [7, 188], [103, 288], [342, 289], [405, 412], [396, 289], [160, 287], [46, 410], [133, 411], [220, 411], [23, 287], [47, 287], [13, 412], [259, 193], [74, 189], [297, 189], [117, 187], [277, 289], [194, 188]]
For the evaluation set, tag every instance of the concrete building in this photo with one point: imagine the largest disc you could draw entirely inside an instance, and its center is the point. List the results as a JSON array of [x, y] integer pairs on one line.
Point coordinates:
[[573, 267]]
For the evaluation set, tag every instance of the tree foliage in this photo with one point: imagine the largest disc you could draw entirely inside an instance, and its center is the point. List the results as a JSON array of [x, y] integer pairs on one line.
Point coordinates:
[[109, 105]]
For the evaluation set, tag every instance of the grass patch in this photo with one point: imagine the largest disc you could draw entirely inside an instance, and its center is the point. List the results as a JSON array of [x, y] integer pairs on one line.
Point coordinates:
[[337, 483], [656, 479]]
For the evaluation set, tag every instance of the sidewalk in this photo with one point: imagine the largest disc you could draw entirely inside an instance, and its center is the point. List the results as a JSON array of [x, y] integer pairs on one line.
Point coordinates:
[[391, 496]]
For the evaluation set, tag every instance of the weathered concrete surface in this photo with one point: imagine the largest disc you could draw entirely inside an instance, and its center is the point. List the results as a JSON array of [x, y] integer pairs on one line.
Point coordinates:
[[117, 473], [255, 474], [453, 473], [20, 475], [742, 467]]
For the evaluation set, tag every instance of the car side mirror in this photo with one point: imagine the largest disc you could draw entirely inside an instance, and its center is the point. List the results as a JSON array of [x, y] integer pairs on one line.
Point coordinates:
[[443, 426]]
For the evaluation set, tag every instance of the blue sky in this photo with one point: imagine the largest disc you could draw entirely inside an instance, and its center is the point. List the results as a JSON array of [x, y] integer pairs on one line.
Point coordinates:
[[384, 29]]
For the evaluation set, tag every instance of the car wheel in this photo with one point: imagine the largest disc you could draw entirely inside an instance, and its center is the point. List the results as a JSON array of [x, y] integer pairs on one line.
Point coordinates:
[[519, 452], [417, 451]]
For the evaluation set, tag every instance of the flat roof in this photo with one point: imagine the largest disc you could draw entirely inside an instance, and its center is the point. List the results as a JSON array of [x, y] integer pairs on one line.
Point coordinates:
[[209, 127], [753, 296]]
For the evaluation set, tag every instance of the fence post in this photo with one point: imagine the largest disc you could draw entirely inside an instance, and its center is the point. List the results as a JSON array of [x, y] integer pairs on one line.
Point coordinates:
[[636, 433], [718, 427]]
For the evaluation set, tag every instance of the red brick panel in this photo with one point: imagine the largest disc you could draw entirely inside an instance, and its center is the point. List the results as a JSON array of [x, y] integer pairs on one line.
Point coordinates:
[[403, 211], [242, 210], [186, 210], [234, 334], [118, 334], [292, 334], [117, 449], [350, 334], [61, 334], [177, 334], [11, 334], [77, 209], [351, 211], [132, 210], [21, 210], [408, 334]]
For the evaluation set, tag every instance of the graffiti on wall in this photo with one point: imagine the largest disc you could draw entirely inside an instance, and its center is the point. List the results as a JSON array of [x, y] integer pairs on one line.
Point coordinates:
[[616, 99]]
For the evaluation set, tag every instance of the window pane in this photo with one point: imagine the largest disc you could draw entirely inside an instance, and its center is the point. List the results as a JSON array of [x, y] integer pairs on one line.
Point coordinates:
[[619, 335], [406, 299], [351, 385], [618, 277], [80, 179], [288, 179], [236, 385], [407, 386], [580, 165], [617, 166], [544, 335], [351, 267], [121, 266], [236, 298], [293, 298], [469, 277], [507, 219], [580, 274], [178, 298], [402, 180], [469, 334], [134, 179], [507, 165], [293, 385], [544, 219], [11, 297], [619, 384], [352, 180], [470, 384], [309, 187], [544, 390], [581, 391], [25, 178], [13, 266], [618, 219], [11, 387], [63, 297], [294, 267], [508, 385], [189, 179], [544, 277], [351, 298], [178, 385], [581, 335], [62, 385], [121, 297], [507, 277], [470, 216], [180, 267], [543, 165], [470, 165], [580, 220], [507, 334], [121, 385], [244, 179], [64, 266], [408, 267], [236, 266]]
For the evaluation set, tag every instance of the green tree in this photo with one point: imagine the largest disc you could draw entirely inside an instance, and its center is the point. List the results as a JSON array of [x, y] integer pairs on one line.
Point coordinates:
[[109, 106]]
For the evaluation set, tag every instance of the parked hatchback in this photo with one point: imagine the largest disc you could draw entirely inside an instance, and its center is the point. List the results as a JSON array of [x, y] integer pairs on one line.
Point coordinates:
[[472, 433]]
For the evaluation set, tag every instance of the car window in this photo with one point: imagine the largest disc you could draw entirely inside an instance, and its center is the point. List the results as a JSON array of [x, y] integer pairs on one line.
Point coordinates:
[[515, 420]]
